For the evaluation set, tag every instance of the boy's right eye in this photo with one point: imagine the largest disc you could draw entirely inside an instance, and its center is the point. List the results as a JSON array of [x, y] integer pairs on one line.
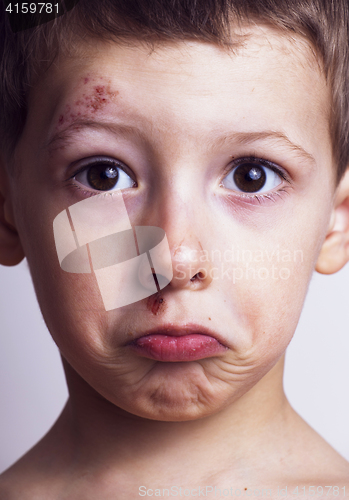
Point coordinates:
[[104, 174]]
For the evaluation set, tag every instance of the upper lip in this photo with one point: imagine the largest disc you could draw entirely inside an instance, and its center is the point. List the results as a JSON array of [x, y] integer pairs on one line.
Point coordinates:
[[178, 331]]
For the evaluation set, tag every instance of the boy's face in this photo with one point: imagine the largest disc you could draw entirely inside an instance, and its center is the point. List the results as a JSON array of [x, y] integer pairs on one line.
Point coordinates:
[[230, 155]]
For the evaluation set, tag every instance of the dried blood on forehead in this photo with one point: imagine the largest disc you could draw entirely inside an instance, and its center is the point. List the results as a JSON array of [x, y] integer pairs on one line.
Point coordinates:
[[96, 93]]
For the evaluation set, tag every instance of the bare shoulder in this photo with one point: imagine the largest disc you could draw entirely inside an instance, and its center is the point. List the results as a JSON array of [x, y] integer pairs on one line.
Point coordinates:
[[298, 462], [313, 461], [35, 476], [21, 481], [39, 473]]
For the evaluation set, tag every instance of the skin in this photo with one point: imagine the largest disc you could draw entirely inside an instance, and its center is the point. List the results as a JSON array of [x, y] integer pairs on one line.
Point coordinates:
[[131, 420]]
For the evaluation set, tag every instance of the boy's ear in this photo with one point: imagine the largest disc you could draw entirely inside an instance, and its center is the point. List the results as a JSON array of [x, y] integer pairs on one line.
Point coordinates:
[[335, 250], [11, 251]]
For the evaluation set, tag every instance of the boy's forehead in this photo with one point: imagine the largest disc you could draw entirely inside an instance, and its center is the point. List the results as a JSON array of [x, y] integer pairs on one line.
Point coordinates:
[[267, 83], [194, 69]]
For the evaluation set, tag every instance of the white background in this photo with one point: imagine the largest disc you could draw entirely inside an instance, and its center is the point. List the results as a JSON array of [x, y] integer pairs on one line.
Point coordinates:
[[33, 389]]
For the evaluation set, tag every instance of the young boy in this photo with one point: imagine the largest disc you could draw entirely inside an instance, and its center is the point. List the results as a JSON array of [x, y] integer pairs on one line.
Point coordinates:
[[218, 134]]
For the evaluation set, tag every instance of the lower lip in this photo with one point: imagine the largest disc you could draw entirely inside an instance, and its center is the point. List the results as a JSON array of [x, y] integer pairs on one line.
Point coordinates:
[[185, 348]]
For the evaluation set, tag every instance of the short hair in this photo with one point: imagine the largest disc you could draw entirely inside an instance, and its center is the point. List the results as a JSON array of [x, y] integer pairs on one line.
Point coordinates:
[[26, 55]]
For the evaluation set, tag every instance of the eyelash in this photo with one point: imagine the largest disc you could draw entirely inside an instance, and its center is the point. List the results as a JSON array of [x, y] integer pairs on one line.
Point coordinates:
[[87, 192], [264, 197]]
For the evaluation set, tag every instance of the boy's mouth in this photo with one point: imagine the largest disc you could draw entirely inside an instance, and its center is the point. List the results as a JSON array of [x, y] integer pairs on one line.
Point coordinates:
[[174, 344]]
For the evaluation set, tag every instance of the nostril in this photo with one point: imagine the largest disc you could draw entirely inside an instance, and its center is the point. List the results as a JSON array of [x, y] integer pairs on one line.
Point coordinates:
[[198, 276]]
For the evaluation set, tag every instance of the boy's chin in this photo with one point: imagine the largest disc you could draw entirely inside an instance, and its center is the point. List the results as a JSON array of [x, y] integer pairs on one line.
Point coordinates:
[[179, 394], [169, 392], [176, 406]]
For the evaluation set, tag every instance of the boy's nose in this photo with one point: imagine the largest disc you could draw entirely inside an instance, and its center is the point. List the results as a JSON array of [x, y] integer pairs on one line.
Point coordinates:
[[190, 270], [188, 228]]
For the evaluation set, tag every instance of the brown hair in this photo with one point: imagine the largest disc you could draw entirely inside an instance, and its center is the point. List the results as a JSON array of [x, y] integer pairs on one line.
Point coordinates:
[[25, 55]]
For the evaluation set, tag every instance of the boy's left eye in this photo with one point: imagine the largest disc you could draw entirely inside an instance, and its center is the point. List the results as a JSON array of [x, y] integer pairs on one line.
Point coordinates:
[[104, 175], [250, 176]]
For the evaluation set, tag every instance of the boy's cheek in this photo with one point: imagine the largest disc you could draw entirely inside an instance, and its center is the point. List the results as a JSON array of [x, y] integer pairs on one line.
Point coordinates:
[[270, 297]]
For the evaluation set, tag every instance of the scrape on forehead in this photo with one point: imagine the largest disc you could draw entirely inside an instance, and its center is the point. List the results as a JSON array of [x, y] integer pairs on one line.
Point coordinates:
[[94, 94]]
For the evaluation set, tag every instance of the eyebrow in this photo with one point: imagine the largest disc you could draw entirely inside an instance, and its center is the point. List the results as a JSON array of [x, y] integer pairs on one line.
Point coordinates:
[[240, 138], [61, 138], [247, 138]]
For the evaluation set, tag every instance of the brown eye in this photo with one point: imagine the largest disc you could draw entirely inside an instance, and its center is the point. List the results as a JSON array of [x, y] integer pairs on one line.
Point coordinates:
[[249, 178], [252, 176], [104, 176]]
